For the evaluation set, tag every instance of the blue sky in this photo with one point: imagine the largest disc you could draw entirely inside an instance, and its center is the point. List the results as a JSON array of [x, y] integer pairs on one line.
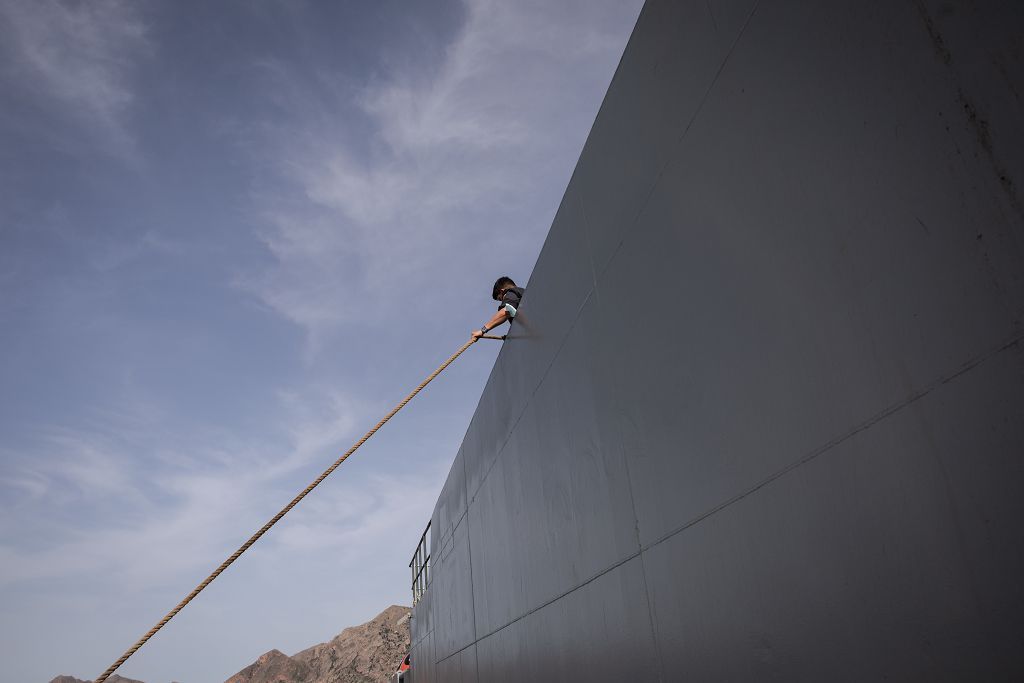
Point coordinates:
[[232, 235]]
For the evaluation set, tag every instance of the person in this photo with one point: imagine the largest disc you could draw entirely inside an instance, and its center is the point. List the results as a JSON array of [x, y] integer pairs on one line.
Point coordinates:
[[508, 295]]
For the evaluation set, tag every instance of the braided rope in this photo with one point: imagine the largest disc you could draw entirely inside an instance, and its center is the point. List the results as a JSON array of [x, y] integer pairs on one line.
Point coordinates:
[[266, 527]]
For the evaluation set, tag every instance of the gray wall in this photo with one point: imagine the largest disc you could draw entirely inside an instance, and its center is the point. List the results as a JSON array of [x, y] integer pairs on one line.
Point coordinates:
[[763, 415]]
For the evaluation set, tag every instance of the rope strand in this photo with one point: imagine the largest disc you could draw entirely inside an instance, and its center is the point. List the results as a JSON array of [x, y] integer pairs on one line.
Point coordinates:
[[266, 527]]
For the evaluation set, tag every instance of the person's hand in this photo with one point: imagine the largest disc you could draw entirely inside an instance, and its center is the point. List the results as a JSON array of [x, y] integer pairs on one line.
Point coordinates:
[[477, 334]]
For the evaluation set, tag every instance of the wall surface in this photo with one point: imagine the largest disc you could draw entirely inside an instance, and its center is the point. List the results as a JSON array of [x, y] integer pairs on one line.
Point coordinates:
[[762, 416]]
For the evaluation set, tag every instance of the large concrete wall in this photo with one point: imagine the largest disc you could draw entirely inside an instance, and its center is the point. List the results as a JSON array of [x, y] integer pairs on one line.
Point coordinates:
[[763, 416]]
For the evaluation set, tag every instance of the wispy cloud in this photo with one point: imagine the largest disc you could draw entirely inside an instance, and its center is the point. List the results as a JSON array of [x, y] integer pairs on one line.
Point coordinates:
[[454, 159], [80, 54], [186, 497]]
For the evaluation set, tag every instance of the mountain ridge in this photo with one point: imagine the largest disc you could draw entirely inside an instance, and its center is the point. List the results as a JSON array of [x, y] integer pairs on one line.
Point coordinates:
[[367, 653]]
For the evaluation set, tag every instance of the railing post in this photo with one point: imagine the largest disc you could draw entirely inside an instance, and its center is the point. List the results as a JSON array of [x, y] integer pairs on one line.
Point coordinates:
[[420, 566]]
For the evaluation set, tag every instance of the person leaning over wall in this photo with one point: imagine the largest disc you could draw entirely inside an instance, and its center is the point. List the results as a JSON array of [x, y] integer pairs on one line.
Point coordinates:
[[508, 296]]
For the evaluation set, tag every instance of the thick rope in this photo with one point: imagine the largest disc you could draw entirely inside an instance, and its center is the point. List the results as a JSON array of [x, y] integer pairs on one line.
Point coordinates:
[[266, 527]]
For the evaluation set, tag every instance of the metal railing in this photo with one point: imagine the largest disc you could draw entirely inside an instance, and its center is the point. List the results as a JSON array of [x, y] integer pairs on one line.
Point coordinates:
[[420, 566]]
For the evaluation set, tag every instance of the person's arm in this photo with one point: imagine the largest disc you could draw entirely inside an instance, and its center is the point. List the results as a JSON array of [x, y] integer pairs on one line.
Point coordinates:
[[497, 319]]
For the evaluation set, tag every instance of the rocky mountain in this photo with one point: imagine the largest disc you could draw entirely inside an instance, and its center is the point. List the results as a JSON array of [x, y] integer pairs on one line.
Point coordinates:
[[367, 653], [114, 678]]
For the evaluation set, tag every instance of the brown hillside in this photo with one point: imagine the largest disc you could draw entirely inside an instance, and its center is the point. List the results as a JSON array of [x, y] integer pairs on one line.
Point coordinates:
[[367, 653], [114, 678]]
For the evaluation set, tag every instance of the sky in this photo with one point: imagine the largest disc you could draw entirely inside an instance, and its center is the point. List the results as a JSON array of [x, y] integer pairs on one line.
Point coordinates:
[[232, 236]]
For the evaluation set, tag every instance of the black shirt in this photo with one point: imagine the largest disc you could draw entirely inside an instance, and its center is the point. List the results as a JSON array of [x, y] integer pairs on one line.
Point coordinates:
[[512, 297]]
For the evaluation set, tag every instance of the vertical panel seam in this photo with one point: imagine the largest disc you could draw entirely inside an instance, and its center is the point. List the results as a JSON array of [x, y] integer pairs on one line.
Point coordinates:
[[469, 555], [643, 568], [686, 129]]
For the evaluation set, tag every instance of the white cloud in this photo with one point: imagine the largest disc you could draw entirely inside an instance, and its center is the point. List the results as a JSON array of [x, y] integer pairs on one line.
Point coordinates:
[[131, 501], [359, 517], [447, 166], [79, 53]]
